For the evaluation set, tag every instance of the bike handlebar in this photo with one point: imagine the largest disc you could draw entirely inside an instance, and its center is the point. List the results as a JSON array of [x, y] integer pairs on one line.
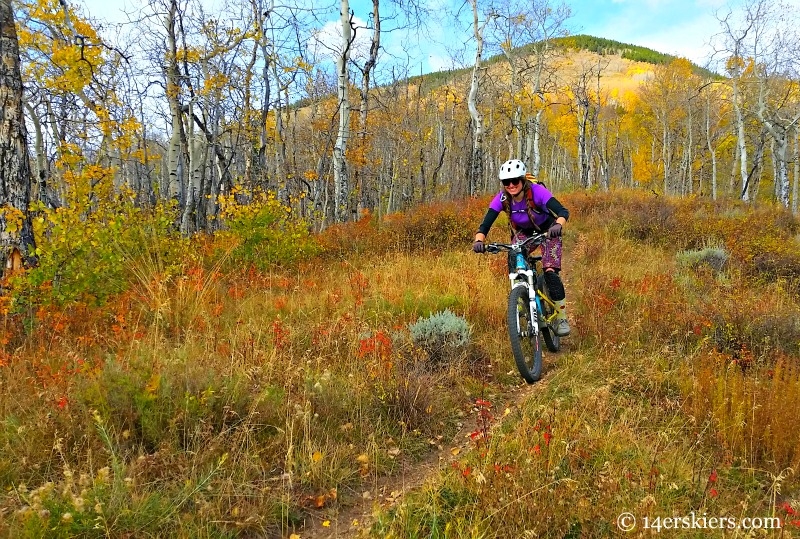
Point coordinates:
[[536, 239]]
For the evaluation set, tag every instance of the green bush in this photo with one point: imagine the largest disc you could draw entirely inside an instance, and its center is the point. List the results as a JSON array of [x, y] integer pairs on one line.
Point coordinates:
[[88, 256], [264, 231]]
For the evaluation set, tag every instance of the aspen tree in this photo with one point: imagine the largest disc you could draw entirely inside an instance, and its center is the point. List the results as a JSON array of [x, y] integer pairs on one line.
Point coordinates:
[[17, 243]]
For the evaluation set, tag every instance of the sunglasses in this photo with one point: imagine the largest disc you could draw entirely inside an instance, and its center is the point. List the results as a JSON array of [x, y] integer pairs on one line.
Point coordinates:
[[512, 181]]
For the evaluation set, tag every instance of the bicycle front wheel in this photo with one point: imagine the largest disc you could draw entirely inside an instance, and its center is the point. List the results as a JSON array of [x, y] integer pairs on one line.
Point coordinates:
[[525, 343]]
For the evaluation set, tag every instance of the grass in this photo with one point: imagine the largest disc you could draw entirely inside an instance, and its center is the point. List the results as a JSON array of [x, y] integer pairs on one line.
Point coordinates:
[[235, 402]]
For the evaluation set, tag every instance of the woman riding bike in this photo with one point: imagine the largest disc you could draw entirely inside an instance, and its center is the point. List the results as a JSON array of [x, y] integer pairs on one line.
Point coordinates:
[[531, 209]]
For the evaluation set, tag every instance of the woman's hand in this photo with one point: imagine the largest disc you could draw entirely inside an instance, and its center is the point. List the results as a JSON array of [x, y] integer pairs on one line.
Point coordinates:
[[478, 246]]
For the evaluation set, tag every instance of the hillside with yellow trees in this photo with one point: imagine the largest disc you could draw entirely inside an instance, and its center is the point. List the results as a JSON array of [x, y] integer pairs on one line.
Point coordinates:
[[238, 297]]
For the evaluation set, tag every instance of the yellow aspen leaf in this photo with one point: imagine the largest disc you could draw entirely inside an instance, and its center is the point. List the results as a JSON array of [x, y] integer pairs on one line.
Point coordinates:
[[363, 458], [316, 457], [326, 524], [455, 450]]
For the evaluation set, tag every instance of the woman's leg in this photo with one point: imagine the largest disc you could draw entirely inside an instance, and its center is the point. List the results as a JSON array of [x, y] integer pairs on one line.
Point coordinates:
[[551, 262]]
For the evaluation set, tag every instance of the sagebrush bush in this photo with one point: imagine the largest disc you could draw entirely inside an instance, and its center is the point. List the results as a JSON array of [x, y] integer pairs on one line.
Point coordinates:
[[444, 336], [712, 257]]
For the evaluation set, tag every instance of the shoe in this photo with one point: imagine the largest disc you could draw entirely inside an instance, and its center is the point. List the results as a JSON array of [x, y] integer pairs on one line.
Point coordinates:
[[562, 327]]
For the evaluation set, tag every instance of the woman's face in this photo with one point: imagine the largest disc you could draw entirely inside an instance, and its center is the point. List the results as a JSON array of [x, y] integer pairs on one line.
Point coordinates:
[[513, 186]]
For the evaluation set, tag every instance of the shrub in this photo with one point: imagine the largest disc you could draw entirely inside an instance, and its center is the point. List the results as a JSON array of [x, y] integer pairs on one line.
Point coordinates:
[[89, 253], [713, 257], [264, 231], [444, 336]]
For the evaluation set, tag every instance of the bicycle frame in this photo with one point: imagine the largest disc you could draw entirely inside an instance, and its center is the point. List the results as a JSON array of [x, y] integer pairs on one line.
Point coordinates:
[[526, 273], [530, 274]]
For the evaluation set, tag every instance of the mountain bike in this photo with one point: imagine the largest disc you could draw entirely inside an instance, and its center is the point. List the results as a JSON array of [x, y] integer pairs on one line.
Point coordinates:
[[531, 312]]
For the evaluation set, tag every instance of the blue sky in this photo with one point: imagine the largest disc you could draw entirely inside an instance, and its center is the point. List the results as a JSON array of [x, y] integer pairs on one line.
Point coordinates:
[[680, 27]]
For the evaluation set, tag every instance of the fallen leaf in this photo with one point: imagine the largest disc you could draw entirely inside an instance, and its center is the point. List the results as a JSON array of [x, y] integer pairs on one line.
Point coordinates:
[[326, 524]]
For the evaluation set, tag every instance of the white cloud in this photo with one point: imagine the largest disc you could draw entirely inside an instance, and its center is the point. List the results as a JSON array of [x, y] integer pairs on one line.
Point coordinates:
[[326, 43], [681, 29]]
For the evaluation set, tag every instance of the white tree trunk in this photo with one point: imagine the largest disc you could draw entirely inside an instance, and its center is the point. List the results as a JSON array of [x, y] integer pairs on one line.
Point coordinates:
[[476, 166], [690, 142], [745, 194], [198, 150], [781, 154], [583, 157], [535, 138], [340, 173], [796, 183], [781, 132], [177, 143], [666, 155], [369, 65], [712, 151]]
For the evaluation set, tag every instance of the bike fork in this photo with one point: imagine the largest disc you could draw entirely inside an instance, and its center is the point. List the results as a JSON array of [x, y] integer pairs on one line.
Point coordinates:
[[534, 312]]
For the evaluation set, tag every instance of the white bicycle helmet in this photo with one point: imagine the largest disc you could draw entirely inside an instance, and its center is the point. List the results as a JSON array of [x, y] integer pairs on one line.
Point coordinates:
[[512, 169]]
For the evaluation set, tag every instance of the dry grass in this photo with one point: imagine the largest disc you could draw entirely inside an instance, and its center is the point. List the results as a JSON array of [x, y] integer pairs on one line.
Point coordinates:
[[237, 403], [677, 394]]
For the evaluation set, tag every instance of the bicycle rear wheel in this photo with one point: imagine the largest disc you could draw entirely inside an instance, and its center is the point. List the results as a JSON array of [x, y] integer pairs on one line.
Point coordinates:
[[525, 344], [551, 338]]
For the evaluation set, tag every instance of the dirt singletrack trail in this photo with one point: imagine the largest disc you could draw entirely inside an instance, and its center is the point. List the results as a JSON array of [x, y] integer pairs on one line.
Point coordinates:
[[355, 520]]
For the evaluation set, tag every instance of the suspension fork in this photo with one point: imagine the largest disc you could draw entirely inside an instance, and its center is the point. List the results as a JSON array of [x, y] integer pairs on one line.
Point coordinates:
[[534, 304]]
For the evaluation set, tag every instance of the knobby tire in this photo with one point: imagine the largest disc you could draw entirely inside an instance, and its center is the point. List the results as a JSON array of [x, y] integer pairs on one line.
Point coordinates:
[[526, 348]]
